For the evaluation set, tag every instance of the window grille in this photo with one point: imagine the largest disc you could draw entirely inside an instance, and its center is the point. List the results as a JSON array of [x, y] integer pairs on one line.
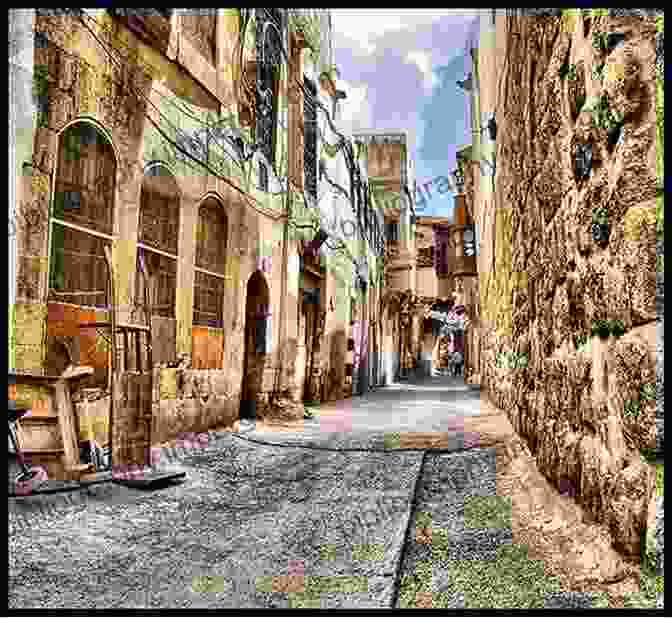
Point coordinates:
[[158, 240], [310, 138], [263, 176], [82, 216], [210, 279], [269, 59]]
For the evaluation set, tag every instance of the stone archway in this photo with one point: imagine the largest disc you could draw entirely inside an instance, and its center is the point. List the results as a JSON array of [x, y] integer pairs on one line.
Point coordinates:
[[257, 312]]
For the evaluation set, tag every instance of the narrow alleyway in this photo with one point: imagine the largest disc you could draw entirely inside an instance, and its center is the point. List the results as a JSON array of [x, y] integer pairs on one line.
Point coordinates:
[[307, 517]]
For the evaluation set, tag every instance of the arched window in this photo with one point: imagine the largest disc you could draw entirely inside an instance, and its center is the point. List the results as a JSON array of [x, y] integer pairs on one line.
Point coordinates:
[[210, 267], [158, 240], [82, 219]]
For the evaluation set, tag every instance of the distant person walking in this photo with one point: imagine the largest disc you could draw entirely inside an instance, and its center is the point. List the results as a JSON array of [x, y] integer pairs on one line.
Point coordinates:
[[456, 364], [457, 354]]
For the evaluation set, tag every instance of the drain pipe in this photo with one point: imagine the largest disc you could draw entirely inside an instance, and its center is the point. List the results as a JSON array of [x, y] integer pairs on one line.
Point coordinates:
[[282, 331]]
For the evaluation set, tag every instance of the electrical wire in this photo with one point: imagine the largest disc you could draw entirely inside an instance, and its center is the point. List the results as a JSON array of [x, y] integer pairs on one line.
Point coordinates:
[[343, 144], [177, 146]]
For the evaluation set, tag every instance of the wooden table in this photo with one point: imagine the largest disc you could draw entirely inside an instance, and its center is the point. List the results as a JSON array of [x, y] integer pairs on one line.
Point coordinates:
[[66, 415]]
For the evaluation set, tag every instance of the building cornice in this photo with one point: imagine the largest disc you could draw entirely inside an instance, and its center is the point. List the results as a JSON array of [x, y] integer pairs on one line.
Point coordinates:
[[380, 137]]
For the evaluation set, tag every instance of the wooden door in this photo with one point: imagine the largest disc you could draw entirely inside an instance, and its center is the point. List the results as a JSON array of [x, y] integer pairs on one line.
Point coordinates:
[[310, 317]]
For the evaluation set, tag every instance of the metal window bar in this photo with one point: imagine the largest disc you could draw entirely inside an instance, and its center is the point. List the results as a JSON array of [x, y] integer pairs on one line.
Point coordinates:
[[209, 292], [269, 58], [310, 141]]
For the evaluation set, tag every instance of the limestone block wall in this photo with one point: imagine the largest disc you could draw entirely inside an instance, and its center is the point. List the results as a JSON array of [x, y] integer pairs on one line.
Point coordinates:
[[192, 400], [586, 406]]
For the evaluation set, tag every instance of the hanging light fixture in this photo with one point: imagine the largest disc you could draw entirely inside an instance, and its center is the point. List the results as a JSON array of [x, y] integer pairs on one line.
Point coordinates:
[[458, 175], [467, 84]]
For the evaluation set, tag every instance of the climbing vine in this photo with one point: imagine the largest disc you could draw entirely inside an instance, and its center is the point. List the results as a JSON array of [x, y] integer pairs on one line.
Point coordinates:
[[309, 27]]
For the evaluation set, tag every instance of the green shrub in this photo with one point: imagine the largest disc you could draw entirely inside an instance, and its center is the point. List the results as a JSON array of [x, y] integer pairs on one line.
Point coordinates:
[[580, 340], [660, 479]]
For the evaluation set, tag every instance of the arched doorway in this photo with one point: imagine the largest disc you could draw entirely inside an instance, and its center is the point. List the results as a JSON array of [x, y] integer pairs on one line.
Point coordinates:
[[257, 313]]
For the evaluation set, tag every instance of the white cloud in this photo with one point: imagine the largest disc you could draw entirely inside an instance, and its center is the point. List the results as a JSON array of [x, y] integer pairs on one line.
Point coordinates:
[[356, 113], [423, 61], [366, 25]]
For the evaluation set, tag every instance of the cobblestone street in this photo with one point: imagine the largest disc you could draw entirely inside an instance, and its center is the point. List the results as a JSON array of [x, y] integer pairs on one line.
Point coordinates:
[[285, 519]]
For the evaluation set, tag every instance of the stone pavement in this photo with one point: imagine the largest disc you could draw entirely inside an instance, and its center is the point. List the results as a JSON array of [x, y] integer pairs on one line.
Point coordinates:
[[253, 526], [290, 517]]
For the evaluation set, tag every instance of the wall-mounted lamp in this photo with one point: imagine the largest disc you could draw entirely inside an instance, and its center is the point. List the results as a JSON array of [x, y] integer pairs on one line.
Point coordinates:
[[492, 128]]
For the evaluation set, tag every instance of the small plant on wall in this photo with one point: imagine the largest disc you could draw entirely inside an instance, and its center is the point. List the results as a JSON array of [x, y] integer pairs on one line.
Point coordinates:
[[600, 328], [647, 391], [600, 41], [567, 71], [597, 72], [511, 360], [604, 328], [631, 407], [617, 328], [581, 342], [600, 224]]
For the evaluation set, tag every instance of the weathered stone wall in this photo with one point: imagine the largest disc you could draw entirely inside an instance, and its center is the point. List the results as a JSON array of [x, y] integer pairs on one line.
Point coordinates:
[[192, 400], [585, 408]]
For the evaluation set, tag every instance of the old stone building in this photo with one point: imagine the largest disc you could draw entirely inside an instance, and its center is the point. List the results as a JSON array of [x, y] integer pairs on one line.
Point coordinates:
[[446, 278], [390, 172], [196, 145], [565, 188]]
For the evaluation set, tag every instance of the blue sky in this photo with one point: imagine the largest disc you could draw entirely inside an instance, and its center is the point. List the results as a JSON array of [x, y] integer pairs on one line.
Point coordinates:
[[399, 68]]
